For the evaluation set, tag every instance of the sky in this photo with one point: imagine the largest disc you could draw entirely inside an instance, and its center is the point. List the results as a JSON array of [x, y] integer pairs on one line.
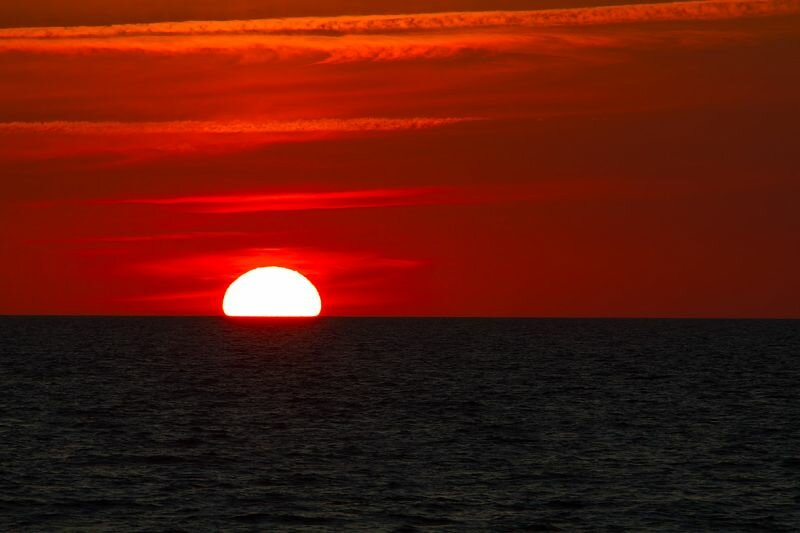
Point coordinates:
[[450, 157]]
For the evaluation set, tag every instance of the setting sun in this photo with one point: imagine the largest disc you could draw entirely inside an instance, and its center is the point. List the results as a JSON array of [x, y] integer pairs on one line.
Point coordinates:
[[272, 292]]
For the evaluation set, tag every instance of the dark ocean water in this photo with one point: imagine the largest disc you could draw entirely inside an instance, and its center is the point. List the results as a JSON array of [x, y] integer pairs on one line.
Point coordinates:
[[189, 424]]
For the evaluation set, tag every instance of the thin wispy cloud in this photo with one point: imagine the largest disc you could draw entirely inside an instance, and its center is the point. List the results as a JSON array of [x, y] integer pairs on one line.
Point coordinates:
[[138, 141], [657, 12], [298, 201], [543, 191], [133, 239], [312, 48], [378, 37], [223, 127]]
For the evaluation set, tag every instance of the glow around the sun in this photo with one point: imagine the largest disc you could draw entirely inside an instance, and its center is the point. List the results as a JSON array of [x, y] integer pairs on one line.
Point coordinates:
[[272, 291]]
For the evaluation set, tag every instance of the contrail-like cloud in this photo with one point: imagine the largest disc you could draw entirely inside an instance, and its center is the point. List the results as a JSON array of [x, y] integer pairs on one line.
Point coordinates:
[[229, 127], [254, 202], [136, 141], [318, 48], [379, 37], [299, 201], [381, 24]]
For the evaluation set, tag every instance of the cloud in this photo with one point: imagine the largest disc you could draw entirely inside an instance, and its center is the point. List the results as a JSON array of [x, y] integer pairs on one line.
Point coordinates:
[[541, 191], [299, 201], [222, 127], [376, 24], [377, 37], [141, 141], [312, 48], [133, 239]]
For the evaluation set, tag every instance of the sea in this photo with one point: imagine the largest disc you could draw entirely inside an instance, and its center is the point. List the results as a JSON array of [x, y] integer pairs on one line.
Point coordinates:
[[398, 425]]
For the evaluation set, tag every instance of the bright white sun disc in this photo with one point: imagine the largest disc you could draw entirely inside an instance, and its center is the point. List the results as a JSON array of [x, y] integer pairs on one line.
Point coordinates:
[[272, 291]]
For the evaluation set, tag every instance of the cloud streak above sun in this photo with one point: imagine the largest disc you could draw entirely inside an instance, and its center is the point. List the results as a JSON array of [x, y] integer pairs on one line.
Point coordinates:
[[370, 24], [59, 138], [379, 37], [345, 125], [301, 201], [500, 193]]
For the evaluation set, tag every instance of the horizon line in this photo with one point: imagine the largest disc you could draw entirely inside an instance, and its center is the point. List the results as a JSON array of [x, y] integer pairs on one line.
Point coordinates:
[[456, 317]]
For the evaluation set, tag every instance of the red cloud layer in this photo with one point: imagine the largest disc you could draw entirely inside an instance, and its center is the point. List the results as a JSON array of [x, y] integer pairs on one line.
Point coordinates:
[[660, 12], [235, 126], [377, 37], [252, 203]]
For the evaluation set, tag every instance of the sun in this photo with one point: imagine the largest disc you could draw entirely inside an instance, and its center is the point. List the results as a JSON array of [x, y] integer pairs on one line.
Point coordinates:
[[272, 291]]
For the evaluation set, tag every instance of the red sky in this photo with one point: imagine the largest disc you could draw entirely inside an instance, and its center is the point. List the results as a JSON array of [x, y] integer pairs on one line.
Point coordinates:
[[452, 157]]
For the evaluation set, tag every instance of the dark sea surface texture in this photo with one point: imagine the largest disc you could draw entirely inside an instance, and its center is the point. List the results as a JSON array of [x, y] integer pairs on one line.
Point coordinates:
[[193, 424]]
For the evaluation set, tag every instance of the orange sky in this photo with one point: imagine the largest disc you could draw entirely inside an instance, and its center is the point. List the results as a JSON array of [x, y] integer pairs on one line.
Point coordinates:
[[456, 157]]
